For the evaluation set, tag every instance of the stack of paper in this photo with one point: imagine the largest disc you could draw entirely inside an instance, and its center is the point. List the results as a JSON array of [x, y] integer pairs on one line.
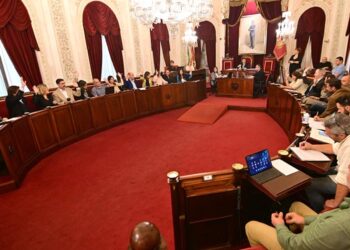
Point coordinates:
[[309, 155], [283, 167], [316, 124], [320, 135]]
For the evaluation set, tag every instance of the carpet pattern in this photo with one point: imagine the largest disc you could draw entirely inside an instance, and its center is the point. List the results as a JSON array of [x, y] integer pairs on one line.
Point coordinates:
[[89, 195], [205, 113]]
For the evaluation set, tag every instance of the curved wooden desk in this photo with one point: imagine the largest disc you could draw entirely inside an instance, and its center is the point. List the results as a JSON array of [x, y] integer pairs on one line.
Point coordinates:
[[23, 142]]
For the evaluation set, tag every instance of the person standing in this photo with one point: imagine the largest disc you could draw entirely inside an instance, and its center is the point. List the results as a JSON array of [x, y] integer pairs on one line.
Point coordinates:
[[295, 61]]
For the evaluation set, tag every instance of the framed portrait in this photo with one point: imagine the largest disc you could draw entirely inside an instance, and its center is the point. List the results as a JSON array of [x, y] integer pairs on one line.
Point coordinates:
[[252, 35]]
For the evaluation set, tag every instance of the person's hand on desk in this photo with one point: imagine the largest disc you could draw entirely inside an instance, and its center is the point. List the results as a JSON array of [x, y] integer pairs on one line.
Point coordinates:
[[305, 145], [331, 204], [317, 118], [294, 218], [277, 219]]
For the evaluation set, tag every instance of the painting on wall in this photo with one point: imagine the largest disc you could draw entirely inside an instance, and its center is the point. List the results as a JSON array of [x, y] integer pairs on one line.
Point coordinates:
[[252, 35]]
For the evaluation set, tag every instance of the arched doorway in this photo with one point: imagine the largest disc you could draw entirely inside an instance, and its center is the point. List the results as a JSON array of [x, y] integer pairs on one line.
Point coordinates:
[[206, 43], [311, 26], [99, 19]]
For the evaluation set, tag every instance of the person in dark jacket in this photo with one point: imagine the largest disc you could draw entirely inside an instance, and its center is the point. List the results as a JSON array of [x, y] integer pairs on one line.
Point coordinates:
[[15, 101], [42, 97], [295, 61], [259, 81]]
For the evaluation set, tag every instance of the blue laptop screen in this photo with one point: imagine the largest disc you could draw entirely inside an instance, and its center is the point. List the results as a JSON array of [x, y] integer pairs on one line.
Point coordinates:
[[258, 162]]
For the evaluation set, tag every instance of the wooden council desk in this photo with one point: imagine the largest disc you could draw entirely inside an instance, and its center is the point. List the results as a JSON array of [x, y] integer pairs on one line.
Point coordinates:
[[235, 87], [26, 140]]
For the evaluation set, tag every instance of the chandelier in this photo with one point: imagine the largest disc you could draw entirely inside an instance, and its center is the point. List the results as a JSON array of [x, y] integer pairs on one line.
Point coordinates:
[[286, 27], [172, 12], [190, 38]]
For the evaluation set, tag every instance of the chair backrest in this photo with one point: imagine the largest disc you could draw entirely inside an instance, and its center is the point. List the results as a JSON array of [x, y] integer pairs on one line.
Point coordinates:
[[269, 64], [227, 63]]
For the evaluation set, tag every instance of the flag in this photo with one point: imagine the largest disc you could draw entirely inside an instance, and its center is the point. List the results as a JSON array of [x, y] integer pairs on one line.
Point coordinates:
[[280, 49]]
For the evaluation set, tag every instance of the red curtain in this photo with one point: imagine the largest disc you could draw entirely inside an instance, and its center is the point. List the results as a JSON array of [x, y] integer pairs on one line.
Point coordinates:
[[99, 19], [271, 11], [17, 35], [206, 32], [160, 37], [307, 29]]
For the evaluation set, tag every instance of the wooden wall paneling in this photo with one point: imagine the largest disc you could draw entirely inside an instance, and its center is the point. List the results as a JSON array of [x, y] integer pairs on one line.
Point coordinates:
[[63, 119], [24, 137], [44, 130], [180, 95], [168, 96], [154, 99], [9, 152], [239, 87], [114, 108], [129, 104], [99, 112], [142, 97], [192, 93], [82, 117], [202, 91]]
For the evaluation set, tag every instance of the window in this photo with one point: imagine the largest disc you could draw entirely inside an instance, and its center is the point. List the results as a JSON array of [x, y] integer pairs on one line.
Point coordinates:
[[8, 73], [107, 64]]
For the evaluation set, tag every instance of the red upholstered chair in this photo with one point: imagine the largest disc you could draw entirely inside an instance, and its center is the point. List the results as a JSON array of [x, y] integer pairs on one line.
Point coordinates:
[[3, 109], [269, 66], [249, 60], [227, 63]]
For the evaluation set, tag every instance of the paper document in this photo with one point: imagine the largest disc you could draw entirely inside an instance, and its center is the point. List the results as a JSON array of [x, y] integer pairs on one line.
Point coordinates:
[[309, 155], [320, 135], [283, 167], [316, 124]]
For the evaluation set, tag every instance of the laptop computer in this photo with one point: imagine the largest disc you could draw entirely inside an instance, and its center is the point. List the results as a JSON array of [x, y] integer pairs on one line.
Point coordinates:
[[260, 167], [109, 90]]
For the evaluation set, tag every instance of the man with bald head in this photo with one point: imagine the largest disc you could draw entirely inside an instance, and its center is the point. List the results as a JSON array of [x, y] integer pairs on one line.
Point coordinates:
[[146, 236], [98, 89]]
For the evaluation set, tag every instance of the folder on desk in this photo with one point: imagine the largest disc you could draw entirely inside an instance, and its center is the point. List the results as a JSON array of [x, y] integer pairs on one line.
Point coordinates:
[[316, 124], [320, 135], [309, 155]]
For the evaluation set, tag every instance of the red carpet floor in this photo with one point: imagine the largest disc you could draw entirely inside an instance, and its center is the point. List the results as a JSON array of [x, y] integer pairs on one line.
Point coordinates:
[[90, 194], [204, 113]]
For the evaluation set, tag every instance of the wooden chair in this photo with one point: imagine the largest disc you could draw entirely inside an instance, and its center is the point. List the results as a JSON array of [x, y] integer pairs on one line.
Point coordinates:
[[269, 66]]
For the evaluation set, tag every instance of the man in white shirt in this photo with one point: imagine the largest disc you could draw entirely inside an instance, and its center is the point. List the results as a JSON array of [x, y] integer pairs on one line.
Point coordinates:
[[338, 128], [64, 95], [339, 69]]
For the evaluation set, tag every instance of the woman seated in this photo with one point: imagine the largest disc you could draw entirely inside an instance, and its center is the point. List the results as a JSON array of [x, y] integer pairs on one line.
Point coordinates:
[[147, 81], [42, 97], [15, 101], [83, 90], [297, 83], [158, 80], [117, 84], [182, 77]]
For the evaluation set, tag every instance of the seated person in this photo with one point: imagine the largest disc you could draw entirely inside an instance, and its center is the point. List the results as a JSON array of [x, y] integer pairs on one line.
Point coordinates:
[[130, 82], [297, 83], [183, 77], [99, 89], [15, 101], [173, 66], [83, 90], [117, 84], [146, 236], [339, 69], [63, 95], [343, 107], [338, 128], [42, 97], [326, 231], [167, 77], [325, 64], [259, 80], [158, 80], [244, 64], [146, 80], [332, 87]]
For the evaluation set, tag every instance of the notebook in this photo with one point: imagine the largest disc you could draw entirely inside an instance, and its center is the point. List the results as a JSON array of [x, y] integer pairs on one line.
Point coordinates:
[[309, 155]]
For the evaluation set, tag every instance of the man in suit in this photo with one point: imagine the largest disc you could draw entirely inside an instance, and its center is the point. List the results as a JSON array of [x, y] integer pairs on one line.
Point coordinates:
[[167, 77], [259, 81], [243, 64], [130, 82], [63, 95], [316, 87]]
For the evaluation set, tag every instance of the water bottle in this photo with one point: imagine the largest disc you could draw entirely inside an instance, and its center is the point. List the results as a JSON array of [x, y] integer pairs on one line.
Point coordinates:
[[305, 119]]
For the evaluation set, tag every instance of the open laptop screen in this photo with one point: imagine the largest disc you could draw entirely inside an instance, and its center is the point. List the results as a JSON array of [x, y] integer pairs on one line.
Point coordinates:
[[258, 162]]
